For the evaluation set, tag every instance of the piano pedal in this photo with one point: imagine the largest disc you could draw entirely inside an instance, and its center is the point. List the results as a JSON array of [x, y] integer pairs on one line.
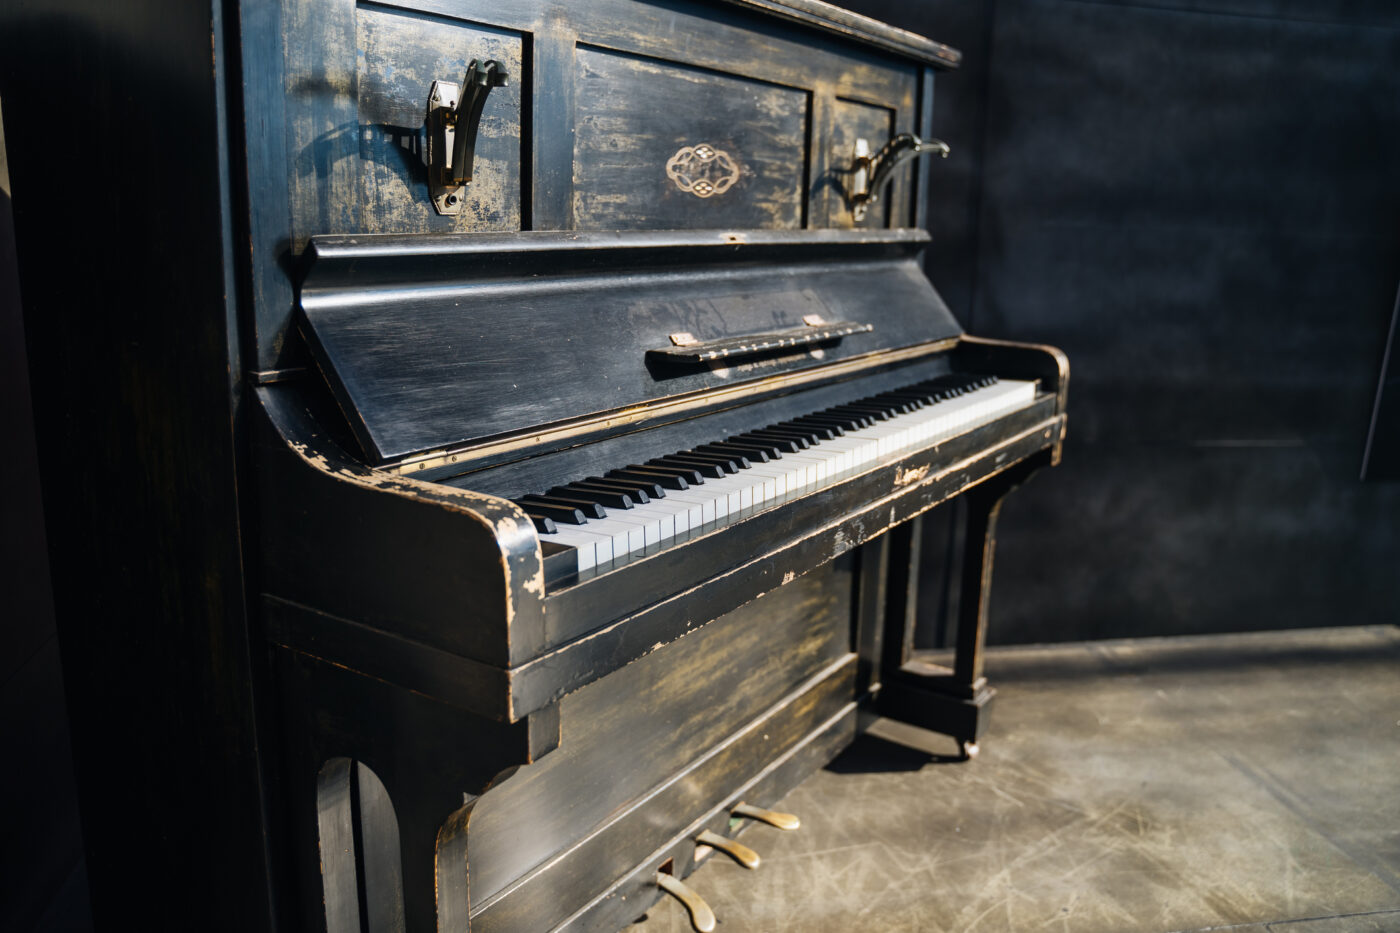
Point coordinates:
[[730, 847], [785, 821], [702, 918]]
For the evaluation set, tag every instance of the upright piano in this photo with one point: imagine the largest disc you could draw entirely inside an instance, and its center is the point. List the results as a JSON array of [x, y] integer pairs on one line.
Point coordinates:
[[589, 392]]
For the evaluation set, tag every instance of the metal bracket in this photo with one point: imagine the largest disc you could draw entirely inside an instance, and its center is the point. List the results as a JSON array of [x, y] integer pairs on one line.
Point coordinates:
[[454, 115], [870, 174], [815, 330]]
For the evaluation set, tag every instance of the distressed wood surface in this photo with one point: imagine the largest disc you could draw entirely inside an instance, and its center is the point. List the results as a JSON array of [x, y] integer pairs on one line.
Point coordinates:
[[634, 114], [630, 732], [601, 96], [473, 344], [399, 54], [852, 120]]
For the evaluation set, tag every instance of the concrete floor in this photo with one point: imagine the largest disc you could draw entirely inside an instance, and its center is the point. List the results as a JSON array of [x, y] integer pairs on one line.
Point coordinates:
[[1240, 782]]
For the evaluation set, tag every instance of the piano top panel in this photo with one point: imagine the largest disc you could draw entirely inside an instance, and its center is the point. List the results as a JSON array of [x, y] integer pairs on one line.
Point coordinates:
[[461, 343], [603, 96]]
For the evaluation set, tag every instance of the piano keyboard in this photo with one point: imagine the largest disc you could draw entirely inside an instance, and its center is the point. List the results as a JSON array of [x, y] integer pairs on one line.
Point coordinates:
[[637, 509]]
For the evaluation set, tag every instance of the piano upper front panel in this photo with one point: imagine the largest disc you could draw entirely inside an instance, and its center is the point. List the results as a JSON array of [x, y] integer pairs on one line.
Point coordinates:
[[601, 97], [634, 115], [861, 119], [399, 54]]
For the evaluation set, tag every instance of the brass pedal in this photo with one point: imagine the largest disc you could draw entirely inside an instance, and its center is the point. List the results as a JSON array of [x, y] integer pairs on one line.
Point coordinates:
[[730, 847], [701, 916], [771, 817]]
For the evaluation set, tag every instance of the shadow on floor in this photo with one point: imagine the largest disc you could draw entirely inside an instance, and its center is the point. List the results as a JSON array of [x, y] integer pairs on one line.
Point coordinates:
[[889, 747]]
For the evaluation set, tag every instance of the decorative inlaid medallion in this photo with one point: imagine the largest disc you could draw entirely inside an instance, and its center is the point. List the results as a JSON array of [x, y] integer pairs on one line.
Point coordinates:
[[702, 170]]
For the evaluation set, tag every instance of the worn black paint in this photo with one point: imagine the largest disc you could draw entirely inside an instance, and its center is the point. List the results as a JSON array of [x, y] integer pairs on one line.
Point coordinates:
[[437, 361], [600, 99], [394, 634]]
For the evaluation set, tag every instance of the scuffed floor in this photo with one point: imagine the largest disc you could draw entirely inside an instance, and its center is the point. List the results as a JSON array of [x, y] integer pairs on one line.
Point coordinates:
[[1244, 782]]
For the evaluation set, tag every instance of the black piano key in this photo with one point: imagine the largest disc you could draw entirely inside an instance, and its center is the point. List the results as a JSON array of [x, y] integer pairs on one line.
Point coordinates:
[[732, 463], [669, 478], [589, 509], [751, 452], [771, 448], [819, 432], [544, 524], [893, 405], [780, 444], [693, 474], [851, 421], [608, 497], [811, 436], [913, 399], [798, 443], [833, 424], [702, 467], [641, 491], [560, 513], [875, 411]]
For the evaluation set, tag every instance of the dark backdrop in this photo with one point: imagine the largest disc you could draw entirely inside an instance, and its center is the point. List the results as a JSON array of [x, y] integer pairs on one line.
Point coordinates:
[[1199, 201]]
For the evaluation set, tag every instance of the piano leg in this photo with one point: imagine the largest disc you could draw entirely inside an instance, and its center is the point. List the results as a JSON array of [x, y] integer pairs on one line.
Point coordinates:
[[380, 824], [914, 689]]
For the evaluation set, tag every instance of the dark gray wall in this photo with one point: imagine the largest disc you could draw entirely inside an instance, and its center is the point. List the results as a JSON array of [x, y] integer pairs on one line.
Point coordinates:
[[1200, 203], [42, 878]]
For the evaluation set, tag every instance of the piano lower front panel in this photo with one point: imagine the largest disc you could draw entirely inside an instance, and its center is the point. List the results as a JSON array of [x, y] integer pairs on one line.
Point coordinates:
[[659, 750]]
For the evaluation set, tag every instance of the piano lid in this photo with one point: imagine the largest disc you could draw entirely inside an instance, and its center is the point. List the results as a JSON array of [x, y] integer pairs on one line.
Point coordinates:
[[446, 342]]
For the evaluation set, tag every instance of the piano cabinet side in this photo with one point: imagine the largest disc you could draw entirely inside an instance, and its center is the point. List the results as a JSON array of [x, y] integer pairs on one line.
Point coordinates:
[[389, 739], [380, 784], [389, 575], [1016, 360]]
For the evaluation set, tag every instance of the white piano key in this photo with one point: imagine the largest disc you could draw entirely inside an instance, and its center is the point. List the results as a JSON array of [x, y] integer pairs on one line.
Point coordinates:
[[695, 495]]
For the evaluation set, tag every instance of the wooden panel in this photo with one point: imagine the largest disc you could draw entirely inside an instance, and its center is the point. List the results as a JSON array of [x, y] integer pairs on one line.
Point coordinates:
[[322, 128], [636, 114], [337, 145], [852, 120], [467, 345], [400, 54], [627, 733]]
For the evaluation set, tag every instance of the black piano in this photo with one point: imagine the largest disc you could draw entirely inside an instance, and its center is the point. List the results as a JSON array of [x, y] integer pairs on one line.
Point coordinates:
[[589, 392]]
